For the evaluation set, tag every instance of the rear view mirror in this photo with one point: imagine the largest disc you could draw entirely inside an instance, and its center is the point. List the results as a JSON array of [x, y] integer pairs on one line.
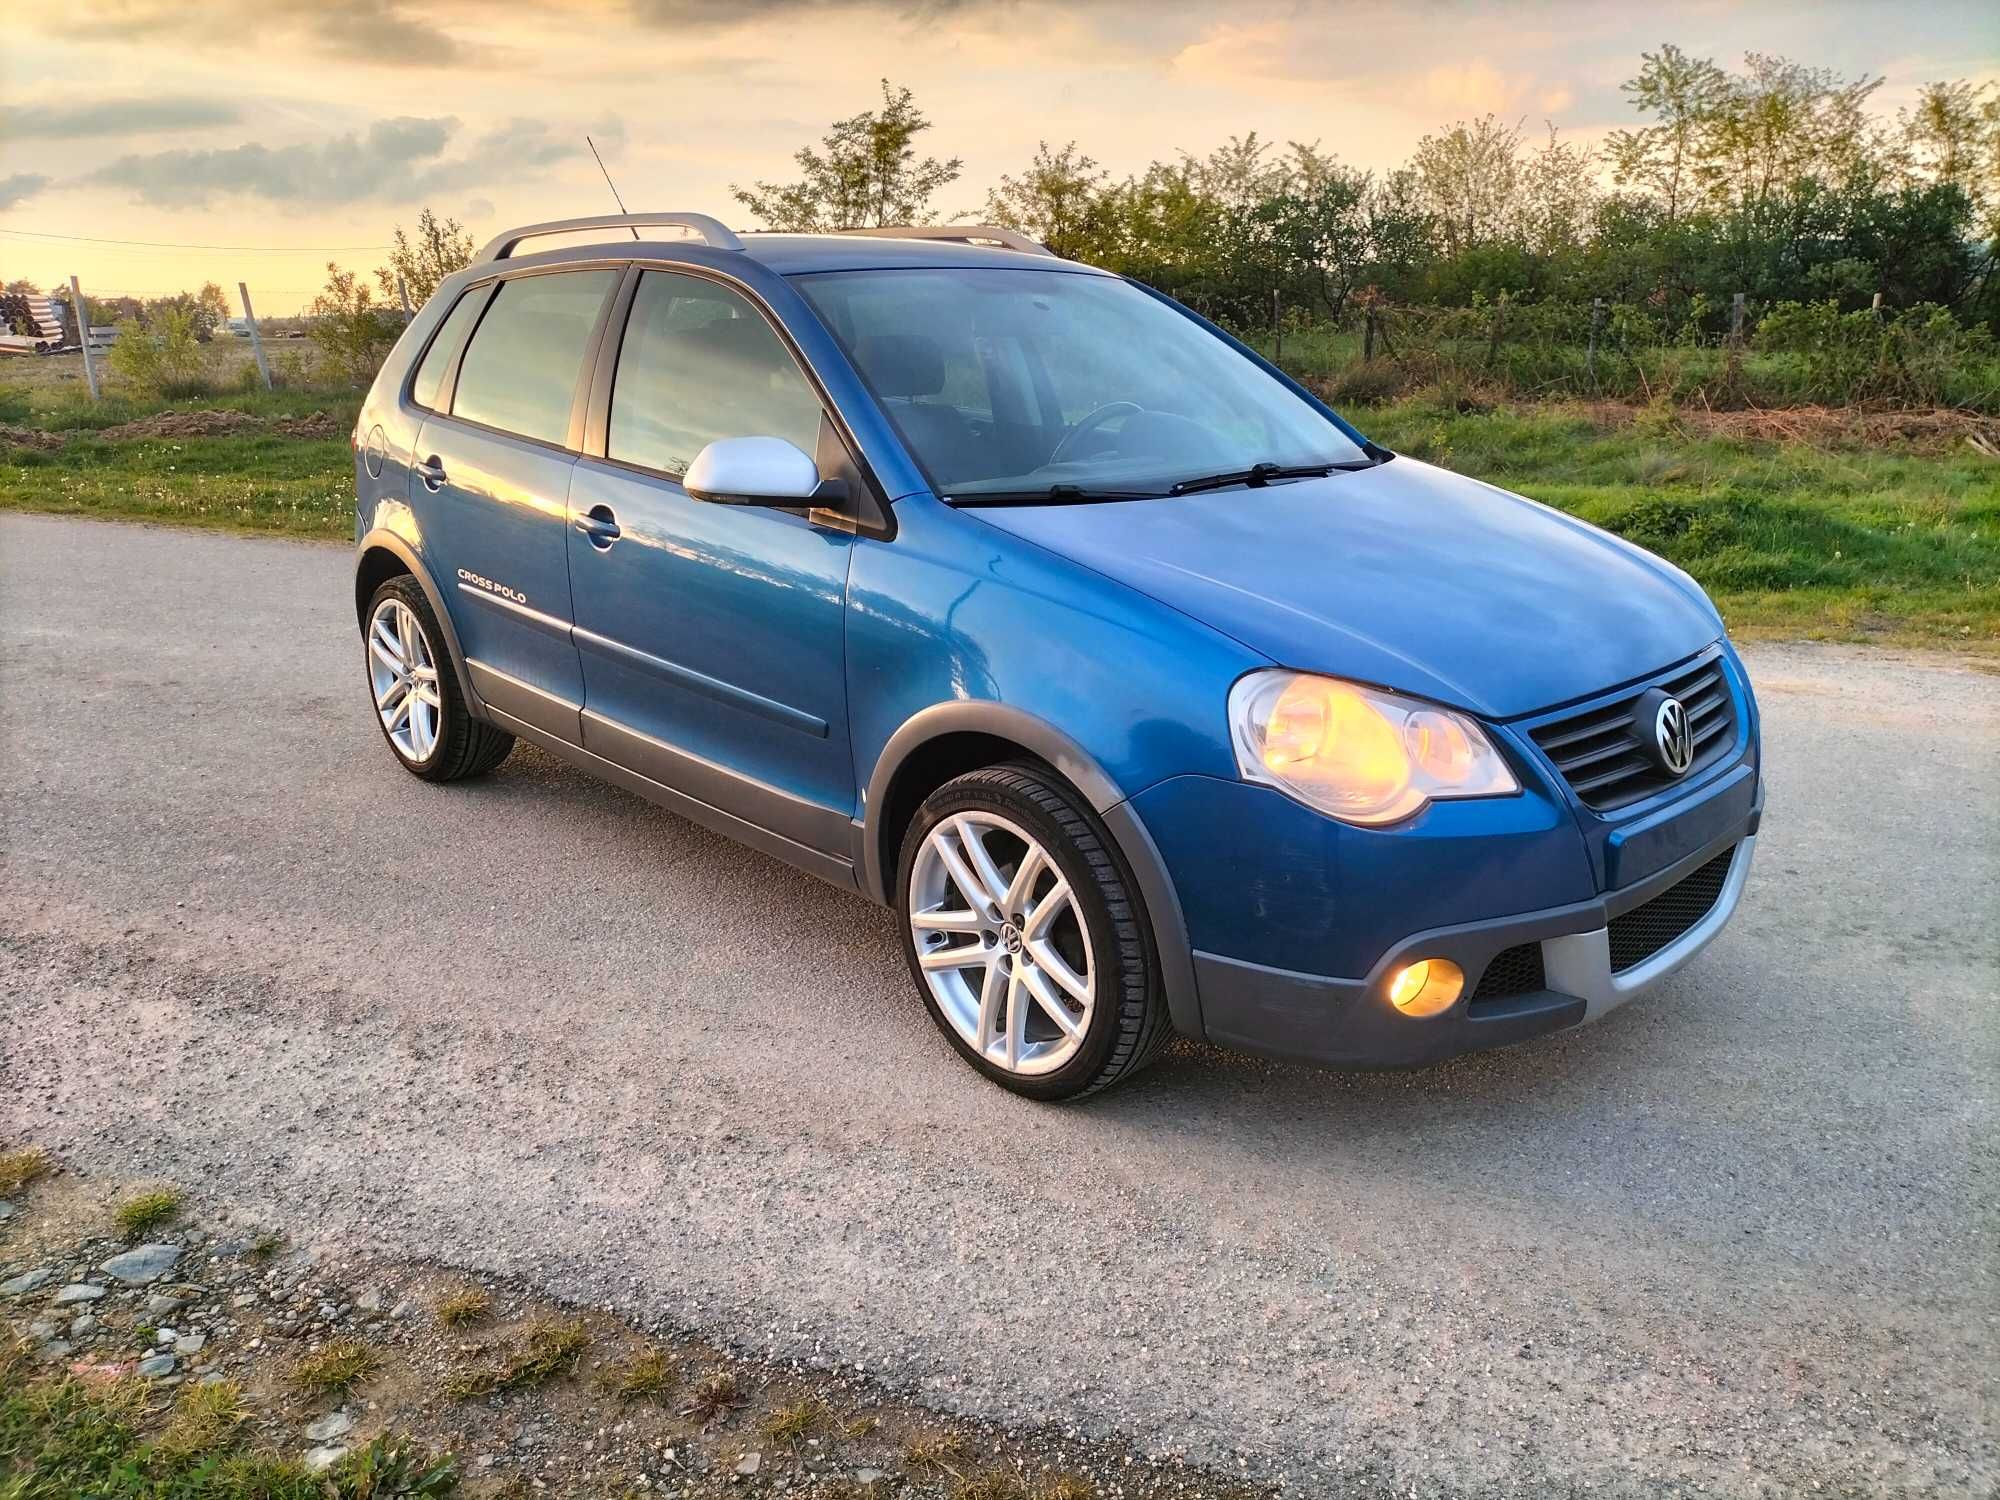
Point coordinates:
[[752, 471]]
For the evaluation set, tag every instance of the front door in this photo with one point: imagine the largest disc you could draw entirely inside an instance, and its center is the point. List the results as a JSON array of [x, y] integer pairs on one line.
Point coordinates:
[[491, 486], [712, 636]]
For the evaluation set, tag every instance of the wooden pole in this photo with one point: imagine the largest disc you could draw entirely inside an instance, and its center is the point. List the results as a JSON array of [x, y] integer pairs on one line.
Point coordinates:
[[1368, 336], [403, 291], [83, 336], [256, 339], [1596, 322], [1736, 319], [1499, 327], [1277, 329]]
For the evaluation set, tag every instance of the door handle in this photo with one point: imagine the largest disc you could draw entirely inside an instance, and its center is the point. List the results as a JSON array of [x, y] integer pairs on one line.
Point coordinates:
[[431, 472], [600, 525]]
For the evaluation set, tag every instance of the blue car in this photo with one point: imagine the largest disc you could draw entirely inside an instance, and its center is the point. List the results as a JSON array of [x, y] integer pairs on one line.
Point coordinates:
[[1013, 595]]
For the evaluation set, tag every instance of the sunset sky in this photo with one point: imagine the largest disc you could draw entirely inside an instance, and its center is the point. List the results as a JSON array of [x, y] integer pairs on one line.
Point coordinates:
[[287, 133]]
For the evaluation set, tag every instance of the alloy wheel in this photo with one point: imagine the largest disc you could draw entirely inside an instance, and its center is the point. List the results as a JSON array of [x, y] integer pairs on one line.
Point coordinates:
[[402, 670], [1002, 943]]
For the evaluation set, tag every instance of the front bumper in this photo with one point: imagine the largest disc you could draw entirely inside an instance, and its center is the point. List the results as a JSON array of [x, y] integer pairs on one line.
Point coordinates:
[[1351, 1023]]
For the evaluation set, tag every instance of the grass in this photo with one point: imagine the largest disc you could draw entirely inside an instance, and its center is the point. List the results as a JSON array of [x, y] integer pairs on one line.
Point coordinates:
[[139, 1216], [335, 1368], [267, 1245], [550, 1348], [1839, 534], [61, 1438], [19, 1168], [941, 1449], [648, 1375], [466, 1305], [793, 1424]]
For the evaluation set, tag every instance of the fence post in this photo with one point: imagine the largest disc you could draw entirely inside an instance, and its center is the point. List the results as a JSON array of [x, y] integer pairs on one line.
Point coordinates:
[[1736, 320], [1590, 357], [1277, 329], [1876, 307], [1368, 336], [403, 291], [1499, 327], [256, 339], [83, 336]]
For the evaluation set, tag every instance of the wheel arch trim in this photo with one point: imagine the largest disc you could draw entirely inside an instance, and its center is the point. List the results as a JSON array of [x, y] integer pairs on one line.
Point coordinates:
[[382, 539], [1076, 765]]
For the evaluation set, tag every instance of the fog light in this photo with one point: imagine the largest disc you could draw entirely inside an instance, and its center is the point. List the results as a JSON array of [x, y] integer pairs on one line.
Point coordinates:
[[1426, 987]]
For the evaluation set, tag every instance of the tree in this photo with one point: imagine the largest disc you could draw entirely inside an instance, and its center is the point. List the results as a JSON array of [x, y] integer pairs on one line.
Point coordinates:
[[439, 247], [212, 302], [1468, 176], [1058, 199], [351, 333], [1683, 94], [1320, 231], [866, 175], [1558, 193]]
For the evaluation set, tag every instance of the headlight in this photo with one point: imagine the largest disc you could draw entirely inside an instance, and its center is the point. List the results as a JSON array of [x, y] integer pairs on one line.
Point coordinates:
[[1356, 753]]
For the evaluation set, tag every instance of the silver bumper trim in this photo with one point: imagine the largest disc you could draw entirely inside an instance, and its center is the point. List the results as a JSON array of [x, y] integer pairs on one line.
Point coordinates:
[[1580, 964]]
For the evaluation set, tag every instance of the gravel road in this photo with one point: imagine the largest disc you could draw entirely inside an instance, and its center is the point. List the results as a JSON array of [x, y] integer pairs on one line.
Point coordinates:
[[1739, 1237]]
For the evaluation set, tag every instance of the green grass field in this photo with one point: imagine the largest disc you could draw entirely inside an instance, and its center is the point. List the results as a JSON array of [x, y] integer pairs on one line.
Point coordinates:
[[1840, 527]]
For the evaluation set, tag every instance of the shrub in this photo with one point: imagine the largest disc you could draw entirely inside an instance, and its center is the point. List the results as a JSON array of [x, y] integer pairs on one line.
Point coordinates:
[[161, 357], [350, 332]]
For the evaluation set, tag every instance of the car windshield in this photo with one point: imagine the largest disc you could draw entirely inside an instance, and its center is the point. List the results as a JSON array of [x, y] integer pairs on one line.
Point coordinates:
[[1018, 384]]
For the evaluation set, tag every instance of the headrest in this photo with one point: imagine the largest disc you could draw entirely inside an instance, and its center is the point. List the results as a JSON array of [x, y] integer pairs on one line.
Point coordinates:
[[901, 364]]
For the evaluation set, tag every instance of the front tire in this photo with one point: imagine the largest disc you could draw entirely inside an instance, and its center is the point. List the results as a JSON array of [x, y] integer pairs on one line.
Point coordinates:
[[1024, 938], [419, 705]]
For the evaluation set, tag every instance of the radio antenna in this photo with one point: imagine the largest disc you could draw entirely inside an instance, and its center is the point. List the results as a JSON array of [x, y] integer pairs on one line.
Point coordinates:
[[609, 183]]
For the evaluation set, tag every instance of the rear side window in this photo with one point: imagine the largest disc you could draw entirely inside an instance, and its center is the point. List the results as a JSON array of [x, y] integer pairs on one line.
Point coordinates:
[[437, 359], [520, 372], [700, 363]]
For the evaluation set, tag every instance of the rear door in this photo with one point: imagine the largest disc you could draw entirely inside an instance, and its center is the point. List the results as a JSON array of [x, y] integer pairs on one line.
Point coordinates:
[[713, 636], [491, 487]]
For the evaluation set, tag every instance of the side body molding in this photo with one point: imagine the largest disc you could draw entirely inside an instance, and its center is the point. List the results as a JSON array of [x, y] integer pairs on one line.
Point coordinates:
[[875, 865]]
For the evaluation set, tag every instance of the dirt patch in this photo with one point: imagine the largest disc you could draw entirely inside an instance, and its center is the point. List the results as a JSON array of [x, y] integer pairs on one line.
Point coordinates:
[[1935, 431], [317, 425], [218, 422], [28, 437]]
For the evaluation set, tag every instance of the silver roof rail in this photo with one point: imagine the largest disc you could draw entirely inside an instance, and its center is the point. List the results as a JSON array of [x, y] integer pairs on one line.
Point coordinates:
[[964, 234], [712, 231]]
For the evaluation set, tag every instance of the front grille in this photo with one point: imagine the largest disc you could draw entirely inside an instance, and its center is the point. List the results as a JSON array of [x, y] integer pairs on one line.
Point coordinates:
[[1645, 930], [1514, 971], [1605, 753]]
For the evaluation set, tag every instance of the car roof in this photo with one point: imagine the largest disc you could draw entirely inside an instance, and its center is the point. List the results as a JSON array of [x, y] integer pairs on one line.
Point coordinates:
[[798, 254]]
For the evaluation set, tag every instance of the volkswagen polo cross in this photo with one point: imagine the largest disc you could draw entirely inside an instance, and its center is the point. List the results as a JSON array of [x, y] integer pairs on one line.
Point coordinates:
[[1006, 592]]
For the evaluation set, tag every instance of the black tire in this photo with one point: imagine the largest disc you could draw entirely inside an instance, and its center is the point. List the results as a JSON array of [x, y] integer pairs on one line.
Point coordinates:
[[1129, 1025], [465, 746]]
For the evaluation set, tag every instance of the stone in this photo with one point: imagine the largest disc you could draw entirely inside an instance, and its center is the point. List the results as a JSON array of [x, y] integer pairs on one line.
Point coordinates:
[[190, 1343], [56, 1349], [82, 1326], [160, 1305], [370, 1299], [153, 1366], [146, 1264], [319, 1460], [327, 1428], [42, 1329], [76, 1291], [6, 1212], [26, 1282], [749, 1463], [869, 1476]]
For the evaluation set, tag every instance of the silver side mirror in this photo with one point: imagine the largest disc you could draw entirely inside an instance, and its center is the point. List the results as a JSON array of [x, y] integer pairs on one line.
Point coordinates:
[[752, 471]]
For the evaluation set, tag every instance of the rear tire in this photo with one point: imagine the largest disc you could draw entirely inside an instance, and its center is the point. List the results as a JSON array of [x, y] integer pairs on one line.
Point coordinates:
[[419, 702], [1013, 896]]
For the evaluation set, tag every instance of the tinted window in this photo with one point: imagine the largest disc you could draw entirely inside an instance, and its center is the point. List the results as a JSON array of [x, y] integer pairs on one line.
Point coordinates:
[[699, 363], [437, 359], [520, 372]]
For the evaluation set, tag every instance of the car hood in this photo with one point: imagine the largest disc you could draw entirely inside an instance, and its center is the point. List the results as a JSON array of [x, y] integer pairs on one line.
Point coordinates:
[[1403, 575]]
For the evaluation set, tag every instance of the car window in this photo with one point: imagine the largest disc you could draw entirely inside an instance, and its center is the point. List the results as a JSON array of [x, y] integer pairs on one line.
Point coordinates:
[[700, 363], [520, 371], [437, 359]]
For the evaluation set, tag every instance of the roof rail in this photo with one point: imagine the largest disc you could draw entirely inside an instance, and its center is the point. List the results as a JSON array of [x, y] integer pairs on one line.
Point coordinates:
[[965, 234], [712, 231]]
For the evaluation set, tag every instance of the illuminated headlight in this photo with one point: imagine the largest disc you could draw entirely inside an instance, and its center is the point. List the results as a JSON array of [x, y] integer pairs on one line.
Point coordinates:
[[1355, 753]]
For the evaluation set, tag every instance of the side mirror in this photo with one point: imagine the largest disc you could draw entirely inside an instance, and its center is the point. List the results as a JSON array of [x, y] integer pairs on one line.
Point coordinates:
[[752, 471]]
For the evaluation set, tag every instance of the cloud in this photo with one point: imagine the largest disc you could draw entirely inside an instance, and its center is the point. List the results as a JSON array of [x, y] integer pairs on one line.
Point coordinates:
[[379, 31], [113, 117], [18, 189], [397, 160], [738, 12], [388, 33]]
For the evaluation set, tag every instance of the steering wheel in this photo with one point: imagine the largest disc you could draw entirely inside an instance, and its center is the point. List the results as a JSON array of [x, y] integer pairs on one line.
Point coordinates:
[[1090, 422]]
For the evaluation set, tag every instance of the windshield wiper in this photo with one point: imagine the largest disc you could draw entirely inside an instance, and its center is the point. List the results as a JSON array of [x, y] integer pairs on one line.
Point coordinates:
[[1258, 475], [1055, 494]]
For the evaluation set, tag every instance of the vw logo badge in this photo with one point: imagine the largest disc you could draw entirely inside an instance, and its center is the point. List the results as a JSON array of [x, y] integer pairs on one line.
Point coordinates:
[[1673, 736]]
